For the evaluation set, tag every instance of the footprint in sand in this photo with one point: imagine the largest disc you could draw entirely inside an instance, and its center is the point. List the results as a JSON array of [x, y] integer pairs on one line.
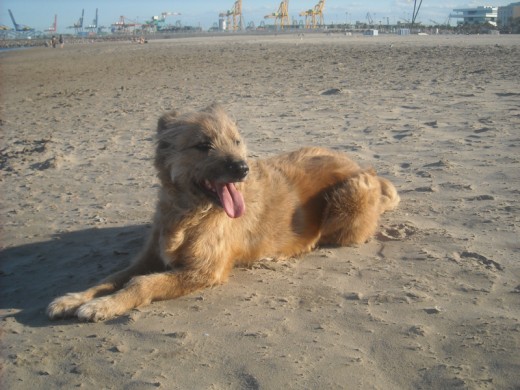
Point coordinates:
[[397, 232], [488, 263]]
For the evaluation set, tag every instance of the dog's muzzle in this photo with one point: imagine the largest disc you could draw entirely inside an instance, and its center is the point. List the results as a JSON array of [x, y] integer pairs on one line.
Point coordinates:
[[238, 169]]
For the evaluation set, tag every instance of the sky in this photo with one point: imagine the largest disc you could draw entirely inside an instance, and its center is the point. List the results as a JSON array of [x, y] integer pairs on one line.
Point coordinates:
[[39, 14]]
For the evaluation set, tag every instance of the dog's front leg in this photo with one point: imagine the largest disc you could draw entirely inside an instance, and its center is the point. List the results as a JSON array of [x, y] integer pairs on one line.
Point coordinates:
[[67, 305], [141, 290]]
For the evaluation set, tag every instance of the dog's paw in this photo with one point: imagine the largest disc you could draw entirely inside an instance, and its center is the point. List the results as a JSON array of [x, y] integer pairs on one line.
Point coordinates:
[[98, 309], [65, 306]]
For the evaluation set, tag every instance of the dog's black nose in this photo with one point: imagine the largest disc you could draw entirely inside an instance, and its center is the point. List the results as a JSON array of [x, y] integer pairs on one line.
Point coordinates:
[[239, 168]]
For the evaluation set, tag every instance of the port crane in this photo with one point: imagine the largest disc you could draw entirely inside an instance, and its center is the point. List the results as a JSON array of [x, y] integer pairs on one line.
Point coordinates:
[[95, 27], [123, 24], [54, 26], [234, 16], [314, 16], [416, 9], [78, 26], [370, 20], [20, 27], [157, 23], [281, 16]]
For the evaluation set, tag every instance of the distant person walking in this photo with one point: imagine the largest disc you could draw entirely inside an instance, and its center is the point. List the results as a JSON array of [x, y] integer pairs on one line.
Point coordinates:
[[62, 42], [53, 42]]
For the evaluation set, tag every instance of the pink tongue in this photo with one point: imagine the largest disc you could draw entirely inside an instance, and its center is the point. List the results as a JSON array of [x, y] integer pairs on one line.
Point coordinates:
[[231, 199]]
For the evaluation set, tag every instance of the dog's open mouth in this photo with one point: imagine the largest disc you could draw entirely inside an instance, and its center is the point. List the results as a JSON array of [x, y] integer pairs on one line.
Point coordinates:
[[227, 195]]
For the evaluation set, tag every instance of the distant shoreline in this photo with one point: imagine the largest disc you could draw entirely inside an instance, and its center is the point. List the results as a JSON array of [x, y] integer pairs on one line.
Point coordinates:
[[71, 39]]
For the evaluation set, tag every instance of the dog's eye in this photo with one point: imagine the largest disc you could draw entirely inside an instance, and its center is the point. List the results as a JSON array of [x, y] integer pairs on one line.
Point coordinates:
[[204, 146], [237, 142]]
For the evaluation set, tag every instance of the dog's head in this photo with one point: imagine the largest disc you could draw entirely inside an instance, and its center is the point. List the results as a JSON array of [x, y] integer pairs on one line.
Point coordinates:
[[202, 154]]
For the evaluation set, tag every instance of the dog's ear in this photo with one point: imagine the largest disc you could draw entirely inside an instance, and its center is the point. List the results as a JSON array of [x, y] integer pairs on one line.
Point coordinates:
[[219, 110], [166, 121]]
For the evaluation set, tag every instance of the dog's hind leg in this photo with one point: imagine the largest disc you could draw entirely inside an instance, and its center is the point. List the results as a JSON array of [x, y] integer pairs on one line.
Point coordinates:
[[353, 209], [67, 305]]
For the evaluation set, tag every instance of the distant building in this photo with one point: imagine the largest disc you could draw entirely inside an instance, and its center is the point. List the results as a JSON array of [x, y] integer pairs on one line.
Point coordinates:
[[507, 14], [478, 15]]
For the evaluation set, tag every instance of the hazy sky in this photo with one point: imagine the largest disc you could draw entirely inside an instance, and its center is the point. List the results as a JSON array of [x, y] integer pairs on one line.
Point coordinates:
[[39, 14]]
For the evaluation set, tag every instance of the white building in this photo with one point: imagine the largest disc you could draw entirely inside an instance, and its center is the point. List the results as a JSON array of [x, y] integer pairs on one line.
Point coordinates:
[[507, 14], [478, 15]]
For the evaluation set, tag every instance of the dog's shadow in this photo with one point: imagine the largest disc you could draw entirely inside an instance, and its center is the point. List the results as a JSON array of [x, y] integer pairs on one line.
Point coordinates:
[[32, 275]]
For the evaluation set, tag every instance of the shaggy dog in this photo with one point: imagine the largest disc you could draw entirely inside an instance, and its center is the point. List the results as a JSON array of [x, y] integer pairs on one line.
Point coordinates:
[[217, 209]]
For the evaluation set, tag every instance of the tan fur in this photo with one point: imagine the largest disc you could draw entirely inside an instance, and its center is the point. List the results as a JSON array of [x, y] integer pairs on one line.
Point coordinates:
[[294, 202]]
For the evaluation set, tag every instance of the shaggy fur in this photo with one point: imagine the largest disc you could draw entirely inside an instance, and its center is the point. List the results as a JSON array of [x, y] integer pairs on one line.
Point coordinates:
[[216, 209]]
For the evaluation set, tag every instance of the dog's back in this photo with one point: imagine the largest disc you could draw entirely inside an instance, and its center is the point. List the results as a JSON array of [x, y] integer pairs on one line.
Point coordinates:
[[288, 198]]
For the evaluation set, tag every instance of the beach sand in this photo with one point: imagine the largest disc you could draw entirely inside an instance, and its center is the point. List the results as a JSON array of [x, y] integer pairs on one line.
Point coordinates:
[[432, 302]]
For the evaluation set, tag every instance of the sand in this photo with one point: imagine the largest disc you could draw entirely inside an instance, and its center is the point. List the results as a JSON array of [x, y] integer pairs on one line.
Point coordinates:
[[432, 302]]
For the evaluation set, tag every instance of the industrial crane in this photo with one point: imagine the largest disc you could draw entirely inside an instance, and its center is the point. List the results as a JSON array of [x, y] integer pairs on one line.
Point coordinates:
[[282, 15], [314, 16], [122, 25], [95, 27], [234, 15], [158, 22], [54, 26], [309, 16], [78, 26], [416, 9], [20, 27], [370, 21]]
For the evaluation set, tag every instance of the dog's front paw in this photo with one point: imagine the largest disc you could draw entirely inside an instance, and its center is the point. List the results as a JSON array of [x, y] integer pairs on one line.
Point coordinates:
[[98, 309], [66, 305]]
